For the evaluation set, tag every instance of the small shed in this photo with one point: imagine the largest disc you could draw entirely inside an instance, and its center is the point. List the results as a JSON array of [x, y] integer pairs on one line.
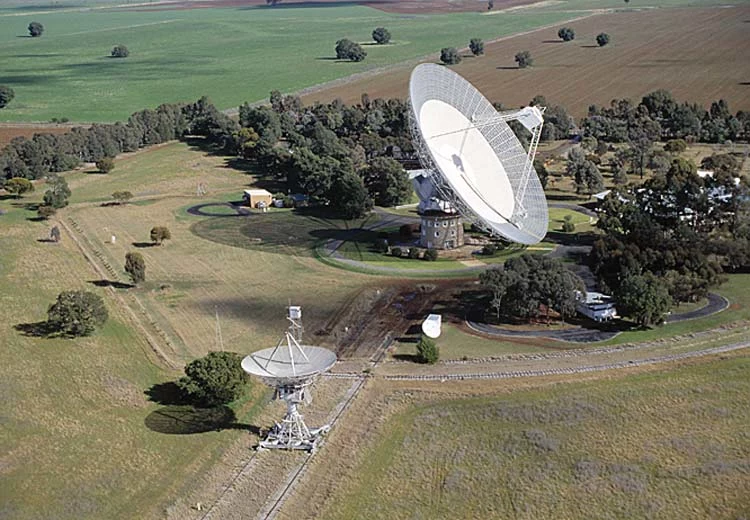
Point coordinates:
[[597, 306], [258, 198]]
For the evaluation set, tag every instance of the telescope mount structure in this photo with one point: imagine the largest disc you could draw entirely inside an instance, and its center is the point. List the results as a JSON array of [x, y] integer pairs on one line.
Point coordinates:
[[291, 368]]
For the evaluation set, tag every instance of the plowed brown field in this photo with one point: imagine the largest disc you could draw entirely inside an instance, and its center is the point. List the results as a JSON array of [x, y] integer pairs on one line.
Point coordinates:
[[699, 54], [9, 131]]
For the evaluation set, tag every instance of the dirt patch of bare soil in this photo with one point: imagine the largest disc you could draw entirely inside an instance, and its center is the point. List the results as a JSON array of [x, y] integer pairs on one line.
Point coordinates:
[[389, 6], [391, 311]]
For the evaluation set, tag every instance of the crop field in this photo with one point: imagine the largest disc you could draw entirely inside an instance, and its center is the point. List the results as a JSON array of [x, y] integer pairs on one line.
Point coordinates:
[[697, 53], [232, 54], [668, 443]]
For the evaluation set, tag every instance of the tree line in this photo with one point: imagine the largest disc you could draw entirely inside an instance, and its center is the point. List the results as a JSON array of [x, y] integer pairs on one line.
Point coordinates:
[[42, 154], [350, 157], [674, 234]]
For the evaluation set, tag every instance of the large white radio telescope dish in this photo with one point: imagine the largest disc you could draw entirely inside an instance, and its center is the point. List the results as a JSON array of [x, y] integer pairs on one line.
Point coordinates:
[[474, 158]]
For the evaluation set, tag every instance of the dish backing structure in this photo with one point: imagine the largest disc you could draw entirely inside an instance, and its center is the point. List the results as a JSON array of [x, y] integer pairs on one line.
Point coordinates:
[[474, 165], [291, 368]]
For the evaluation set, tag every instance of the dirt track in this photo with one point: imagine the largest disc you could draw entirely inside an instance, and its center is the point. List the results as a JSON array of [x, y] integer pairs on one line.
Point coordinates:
[[388, 310]]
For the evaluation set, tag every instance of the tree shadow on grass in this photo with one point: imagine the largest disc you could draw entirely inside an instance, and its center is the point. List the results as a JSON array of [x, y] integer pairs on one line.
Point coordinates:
[[144, 245], [39, 329], [407, 357], [179, 416], [111, 283]]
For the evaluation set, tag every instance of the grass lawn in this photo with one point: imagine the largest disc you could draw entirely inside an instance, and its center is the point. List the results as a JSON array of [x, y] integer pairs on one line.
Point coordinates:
[[455, 344], [79, 439], [230, 54], [666, 444], [557, 217]]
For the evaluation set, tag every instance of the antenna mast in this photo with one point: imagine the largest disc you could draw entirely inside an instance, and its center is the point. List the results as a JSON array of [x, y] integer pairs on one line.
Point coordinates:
[[219, 340]]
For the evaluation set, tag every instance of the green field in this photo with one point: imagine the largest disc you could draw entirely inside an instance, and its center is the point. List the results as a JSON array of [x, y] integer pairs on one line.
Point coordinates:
[[230, 54], [670, 444], [79, 437]]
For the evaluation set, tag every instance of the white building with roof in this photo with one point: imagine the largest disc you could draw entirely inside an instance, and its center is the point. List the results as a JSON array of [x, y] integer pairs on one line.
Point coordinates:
[[595, 305]]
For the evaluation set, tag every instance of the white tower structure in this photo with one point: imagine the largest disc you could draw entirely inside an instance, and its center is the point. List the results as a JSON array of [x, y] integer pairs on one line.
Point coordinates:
[[291, 368]]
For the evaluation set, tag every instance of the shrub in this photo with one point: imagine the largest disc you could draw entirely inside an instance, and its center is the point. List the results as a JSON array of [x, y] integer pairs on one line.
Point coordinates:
[[489, 249], [45, 212], [450, 56], [214, 379], [77, 313], [476, 46], [122, 197], [675, 146], [568, 226], [566, 34], [35, 29], [602, 39], [135, 266], [430, 255], [6, 95], [105, 164], [414, 253], [120, 51], [427, 351], [349, 50], [159, 234], [381, 35], [524, 59], [18, 186], [396, 251]]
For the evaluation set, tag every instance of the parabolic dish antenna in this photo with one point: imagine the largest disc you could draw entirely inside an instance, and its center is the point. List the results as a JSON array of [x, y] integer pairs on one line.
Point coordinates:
[[291, 368], [288, 364], [475, 160]]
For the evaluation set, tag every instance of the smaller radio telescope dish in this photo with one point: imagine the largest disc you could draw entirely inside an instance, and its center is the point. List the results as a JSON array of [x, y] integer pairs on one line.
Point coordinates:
[[291, 368], [431, 326], [473, 157]]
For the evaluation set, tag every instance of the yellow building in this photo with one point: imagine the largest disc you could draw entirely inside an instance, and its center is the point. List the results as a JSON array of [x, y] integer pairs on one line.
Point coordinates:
[[258, 198]]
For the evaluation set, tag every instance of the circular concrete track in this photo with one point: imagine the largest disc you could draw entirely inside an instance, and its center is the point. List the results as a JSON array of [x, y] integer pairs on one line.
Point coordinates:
[[716, 303], [202, 210]]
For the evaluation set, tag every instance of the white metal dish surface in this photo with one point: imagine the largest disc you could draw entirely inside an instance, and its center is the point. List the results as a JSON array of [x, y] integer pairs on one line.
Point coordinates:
[[476, 154], [287, 364], [431, 326]]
